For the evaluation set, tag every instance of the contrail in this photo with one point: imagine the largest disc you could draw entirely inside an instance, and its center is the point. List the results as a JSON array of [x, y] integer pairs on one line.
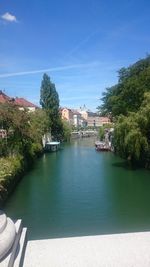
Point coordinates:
[[83, 42], [4, 75]]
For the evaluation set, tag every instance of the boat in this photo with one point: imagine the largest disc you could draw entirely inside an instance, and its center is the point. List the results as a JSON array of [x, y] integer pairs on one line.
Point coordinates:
[[52, 146], [102, 146]]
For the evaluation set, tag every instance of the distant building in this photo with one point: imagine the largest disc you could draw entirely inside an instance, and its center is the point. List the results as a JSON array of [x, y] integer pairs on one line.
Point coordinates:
[[77, 121], [93, 119], [97, 121], [23, 103], [73, 117], [4, 98], [83, 117], [20, 102], [105, 120], [67, 115]]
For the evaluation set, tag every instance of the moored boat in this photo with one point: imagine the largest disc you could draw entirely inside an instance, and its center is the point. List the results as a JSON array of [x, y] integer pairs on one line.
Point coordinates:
[[52, 146], [102, 146]]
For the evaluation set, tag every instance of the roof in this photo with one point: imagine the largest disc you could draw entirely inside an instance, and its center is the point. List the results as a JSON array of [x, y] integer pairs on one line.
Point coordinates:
[[75, 112], [18, 101], [69, 109], [24, 103], [4, 98]]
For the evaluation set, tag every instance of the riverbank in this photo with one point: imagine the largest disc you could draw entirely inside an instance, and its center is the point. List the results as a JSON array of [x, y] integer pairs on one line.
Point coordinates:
[[12, 170]]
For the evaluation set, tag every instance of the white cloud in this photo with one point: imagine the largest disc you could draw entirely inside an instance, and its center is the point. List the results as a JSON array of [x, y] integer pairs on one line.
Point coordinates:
[[62, 68], [9, 17]]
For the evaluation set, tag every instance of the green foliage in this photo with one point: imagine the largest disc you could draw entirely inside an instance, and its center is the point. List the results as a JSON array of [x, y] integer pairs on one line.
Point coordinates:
[[128, 104], [101, 133], [128, 94], [132, 134], [102, 130], [16, 124], [10, 170], [66, 130], [24, 131], [39, 124], [35, 149], [10, 167], [49, 101]]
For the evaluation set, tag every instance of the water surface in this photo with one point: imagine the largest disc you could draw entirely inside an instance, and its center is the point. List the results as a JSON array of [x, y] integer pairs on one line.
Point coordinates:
[[78, 191]]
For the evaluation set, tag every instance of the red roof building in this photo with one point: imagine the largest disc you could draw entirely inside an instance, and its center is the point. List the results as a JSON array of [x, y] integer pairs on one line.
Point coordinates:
[[20, 102], [24, 103], [4, 98]]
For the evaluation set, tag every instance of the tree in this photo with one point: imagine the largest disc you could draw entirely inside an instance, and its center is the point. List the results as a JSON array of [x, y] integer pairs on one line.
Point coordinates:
[[39, 123], [128, 103], [49, 101], [128, 94], [132, 134], [67, 130], [16, 124]]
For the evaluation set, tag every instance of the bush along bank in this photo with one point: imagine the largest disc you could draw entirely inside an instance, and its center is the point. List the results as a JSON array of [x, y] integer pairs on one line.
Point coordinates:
[[12, 169], [20, 145], [21, 134]]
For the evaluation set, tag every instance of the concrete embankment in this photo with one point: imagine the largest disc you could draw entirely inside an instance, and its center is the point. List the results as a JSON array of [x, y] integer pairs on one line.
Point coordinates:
[[118, 250]]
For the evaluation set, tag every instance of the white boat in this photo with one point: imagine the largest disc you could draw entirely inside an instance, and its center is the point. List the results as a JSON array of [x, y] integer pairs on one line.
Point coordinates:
[[52, 146]]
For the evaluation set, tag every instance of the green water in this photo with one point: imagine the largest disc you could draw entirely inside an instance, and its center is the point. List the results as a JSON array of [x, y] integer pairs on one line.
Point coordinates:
[[78, 191]]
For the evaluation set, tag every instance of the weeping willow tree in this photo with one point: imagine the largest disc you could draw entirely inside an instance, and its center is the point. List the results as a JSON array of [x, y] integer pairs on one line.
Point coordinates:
[[132, 134]]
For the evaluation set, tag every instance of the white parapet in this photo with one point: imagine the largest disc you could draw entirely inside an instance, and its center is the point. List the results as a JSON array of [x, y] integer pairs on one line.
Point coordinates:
[[118, 250], [7, 234], [12, 242]]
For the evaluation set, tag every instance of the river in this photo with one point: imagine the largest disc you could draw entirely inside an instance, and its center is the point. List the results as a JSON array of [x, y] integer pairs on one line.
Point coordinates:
[[78, 191]]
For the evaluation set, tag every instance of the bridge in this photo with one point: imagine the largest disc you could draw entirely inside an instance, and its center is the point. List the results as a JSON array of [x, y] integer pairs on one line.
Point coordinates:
[[84, 133], [117, 250]]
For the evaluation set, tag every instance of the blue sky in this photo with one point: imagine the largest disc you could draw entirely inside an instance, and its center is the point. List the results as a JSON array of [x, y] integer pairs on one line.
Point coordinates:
[[80, 44]]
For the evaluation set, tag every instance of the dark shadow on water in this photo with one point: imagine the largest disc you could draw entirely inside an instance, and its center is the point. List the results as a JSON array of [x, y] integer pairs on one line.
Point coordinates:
[[126, 165]]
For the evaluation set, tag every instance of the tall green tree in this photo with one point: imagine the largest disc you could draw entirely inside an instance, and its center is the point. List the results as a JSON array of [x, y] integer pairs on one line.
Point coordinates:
[[49, 100], [128, 94], [128, 103]]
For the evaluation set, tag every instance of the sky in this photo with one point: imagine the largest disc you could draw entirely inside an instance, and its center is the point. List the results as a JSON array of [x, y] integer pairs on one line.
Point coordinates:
[[80, 44]]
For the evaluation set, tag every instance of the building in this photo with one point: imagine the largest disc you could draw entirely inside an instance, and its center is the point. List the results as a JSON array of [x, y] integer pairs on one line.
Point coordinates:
[[73, 117], [20, 102], [105, 120], [4, 98], [67, 114], [77, 119], [93, 119], [25, 104], [83, 117]]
